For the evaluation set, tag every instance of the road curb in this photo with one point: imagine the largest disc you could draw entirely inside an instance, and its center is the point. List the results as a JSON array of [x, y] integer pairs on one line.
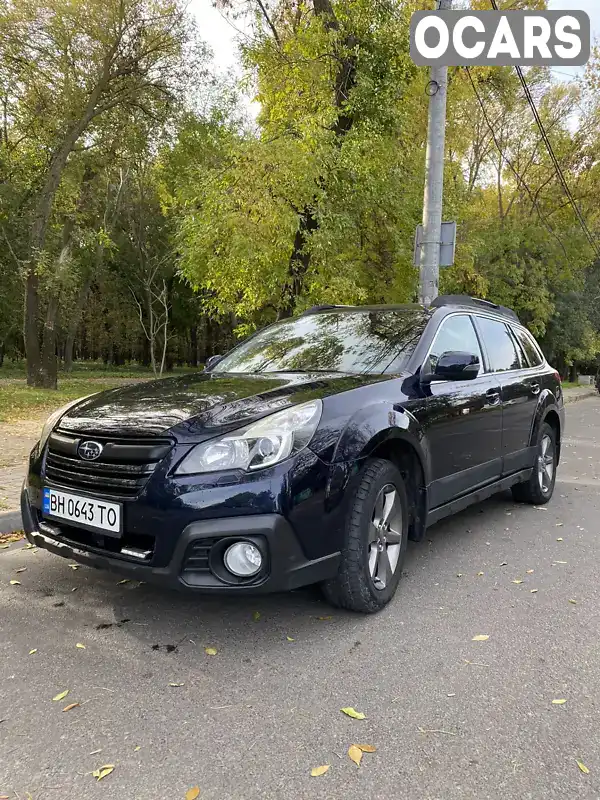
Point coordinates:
[[575, 398], [10, 522]]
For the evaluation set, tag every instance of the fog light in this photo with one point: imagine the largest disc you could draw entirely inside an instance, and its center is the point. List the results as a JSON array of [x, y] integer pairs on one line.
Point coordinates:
[[243, 559]]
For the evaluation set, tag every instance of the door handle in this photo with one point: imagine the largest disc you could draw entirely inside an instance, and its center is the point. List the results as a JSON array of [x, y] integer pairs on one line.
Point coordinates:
[[534, 388], [493, 397]]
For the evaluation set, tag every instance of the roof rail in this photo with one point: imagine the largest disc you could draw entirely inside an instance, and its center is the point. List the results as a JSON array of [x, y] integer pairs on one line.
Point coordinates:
[[476, 302], [316, 309]]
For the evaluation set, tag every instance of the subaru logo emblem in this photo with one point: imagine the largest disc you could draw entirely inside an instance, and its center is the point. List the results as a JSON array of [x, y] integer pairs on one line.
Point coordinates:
[[90, 451]]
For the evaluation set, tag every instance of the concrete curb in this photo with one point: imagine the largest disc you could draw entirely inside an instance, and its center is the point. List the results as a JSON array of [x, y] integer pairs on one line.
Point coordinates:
[[582, 395]]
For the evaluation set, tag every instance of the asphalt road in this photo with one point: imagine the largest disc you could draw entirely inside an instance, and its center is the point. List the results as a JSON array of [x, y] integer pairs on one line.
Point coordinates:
[[450, 717]]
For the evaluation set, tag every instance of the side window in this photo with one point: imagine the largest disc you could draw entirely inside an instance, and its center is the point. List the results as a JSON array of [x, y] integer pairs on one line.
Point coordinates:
[[533, 354], [455, 334], [499, 344]]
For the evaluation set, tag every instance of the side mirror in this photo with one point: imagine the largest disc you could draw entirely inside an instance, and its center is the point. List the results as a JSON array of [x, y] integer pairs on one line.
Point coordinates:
[[455, 366], [212, 362]]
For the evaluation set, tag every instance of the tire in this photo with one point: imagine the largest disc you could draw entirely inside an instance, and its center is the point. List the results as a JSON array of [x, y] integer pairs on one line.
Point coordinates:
[[376, 536], [540, 487]]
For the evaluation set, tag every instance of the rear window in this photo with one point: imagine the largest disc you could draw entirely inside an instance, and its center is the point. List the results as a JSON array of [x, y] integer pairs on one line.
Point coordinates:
[[369, 341], [529, 347], [499, 344]]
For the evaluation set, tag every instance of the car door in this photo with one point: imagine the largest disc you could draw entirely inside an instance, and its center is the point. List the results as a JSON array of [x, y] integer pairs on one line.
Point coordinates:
[[520, 385], [462, 420]]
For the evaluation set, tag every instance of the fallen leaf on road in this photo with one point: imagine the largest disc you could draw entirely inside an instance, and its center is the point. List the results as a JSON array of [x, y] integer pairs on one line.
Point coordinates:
[[316, 772], [31, 652], [21, 569], [559, 524], [533, 591], [324, 618], [366, 748], [518, 580], [74, 566], [481, 637], [210, 651], [256, 616], [560, 539], [352, 712], [4, 546], [28, 546], [102, 772], [479, 574], [355, 754], [504, 564], [60, 696], [74, 589], [560, 702], [572, 601], [70, 706], [289, 638], [176, 685], [192, 793], [125, 580], [80, 646], [459, 574], [137, 748], [15, 583], [582, 767], [529, 571]]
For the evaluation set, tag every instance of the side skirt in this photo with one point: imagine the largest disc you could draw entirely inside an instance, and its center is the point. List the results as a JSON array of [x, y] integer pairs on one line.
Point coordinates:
[[436, 514]]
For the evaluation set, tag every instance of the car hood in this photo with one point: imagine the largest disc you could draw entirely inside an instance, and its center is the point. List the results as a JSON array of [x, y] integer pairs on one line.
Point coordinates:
[[196, 406]]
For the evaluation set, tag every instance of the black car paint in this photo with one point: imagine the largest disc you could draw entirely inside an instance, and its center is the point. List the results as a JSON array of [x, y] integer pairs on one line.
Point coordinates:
[[454, 429]]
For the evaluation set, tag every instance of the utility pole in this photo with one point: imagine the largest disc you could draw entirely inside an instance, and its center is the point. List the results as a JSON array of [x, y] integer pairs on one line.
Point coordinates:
[[429, 265]]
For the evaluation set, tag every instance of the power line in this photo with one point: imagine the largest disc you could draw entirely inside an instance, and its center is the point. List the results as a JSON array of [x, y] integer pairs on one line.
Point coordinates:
[[550, 149], [520, 180]]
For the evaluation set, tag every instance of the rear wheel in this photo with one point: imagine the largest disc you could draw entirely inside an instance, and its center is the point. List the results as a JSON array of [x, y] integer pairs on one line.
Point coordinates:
[[539, 488], [375, 541]]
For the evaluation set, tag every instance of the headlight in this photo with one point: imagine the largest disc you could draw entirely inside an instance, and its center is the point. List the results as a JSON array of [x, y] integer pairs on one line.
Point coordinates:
[[54, 418], [262, 444]]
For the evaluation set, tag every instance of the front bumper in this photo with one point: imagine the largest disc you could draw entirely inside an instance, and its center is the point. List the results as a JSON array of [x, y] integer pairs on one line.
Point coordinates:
[[287, 566]]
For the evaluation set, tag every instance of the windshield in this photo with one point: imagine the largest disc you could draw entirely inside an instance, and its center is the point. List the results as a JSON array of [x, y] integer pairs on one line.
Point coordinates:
[[332, 341]]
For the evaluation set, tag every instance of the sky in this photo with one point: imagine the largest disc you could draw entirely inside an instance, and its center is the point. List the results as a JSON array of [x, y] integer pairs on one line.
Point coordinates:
[[221, 35]]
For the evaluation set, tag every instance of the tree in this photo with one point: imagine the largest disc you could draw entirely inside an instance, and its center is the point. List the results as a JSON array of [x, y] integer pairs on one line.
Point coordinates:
[[76, 63]]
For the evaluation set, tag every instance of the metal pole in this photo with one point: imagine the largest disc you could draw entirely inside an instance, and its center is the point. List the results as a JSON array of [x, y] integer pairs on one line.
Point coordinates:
[[429, 271]]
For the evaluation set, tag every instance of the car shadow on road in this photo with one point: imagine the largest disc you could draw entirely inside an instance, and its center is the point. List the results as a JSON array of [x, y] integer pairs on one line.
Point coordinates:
[[167, 621]]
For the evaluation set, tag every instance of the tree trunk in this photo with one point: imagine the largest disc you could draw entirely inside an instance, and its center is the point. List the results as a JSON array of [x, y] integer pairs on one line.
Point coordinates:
[[48, 366], [345, 80], [68, 354], [193, 357], [37, 366]]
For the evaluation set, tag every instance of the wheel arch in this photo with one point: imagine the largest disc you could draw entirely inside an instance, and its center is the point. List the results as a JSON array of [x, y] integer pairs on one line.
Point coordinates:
[[406, 458], [384, 430]]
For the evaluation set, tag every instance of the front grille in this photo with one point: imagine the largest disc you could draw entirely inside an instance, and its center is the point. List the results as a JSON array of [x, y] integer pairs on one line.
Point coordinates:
[[197, 554], [122, 470]]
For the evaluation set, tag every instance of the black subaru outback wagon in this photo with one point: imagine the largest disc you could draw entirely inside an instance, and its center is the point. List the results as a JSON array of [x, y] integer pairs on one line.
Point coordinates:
[[309, 453]]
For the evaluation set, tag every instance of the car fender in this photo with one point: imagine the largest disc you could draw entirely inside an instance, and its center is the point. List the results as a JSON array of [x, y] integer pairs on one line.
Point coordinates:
[[546, 404], [366, 430]]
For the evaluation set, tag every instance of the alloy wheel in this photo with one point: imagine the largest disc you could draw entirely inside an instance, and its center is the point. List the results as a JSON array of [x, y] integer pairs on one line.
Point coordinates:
[[546, 463], [385, 536]]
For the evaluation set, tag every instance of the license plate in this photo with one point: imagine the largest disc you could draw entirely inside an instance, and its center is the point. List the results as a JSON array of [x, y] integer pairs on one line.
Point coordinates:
[[85, 512]]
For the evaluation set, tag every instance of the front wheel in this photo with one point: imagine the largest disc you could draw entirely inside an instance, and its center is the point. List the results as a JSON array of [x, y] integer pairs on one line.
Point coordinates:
[[539, 488], [375, 541]]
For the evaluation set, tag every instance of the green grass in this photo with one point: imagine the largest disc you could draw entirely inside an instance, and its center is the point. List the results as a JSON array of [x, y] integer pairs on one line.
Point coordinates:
[[571, 385], [19, 401]]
